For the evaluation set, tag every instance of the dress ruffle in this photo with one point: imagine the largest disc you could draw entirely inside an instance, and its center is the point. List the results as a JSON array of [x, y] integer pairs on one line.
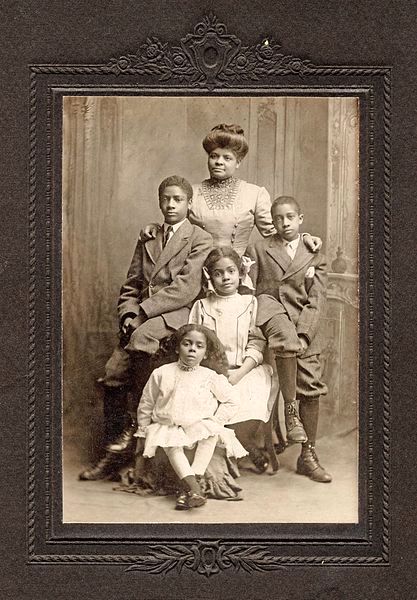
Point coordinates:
[[168, 436], [155, 476]]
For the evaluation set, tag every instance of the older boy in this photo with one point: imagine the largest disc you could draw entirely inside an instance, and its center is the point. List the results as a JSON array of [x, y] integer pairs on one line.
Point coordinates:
[[163, 280], [290, 284]]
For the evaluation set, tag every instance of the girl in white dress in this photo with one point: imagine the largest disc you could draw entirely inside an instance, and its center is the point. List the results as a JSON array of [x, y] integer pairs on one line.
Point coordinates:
[[232, 317], [185, 404]]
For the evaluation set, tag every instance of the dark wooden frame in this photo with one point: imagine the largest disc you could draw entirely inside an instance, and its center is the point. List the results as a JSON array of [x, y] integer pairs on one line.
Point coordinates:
[[181, 70]]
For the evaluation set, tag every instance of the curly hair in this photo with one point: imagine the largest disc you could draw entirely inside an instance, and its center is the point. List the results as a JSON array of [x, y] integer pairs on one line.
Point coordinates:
[[227, 136], [216, 355], [179, 181]]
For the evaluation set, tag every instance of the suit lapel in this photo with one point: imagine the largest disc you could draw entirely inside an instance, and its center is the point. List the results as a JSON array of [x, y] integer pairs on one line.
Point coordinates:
[[154, 247], [301, 259], [174, 246], [276, 250]]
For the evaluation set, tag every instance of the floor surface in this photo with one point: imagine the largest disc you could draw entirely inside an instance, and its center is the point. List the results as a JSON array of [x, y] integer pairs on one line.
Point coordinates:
[[284, 497]]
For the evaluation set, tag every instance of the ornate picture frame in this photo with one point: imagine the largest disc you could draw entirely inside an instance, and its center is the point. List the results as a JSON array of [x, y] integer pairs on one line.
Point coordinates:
[[209, 60]]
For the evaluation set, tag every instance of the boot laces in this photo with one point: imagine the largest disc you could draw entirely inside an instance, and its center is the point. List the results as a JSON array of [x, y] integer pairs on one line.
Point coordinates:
[[292, 410], [314, 454]]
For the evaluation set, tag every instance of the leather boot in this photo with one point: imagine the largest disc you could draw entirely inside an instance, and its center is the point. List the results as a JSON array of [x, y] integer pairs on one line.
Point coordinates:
[[119, 428], [115, 411], [308, 464], [295, 429], [117, 455], [259, 459]]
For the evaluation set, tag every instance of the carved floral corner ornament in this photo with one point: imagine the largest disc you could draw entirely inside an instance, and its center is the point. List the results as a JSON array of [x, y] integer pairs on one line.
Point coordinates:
[[209, 56], [206, 58], [206, 558]]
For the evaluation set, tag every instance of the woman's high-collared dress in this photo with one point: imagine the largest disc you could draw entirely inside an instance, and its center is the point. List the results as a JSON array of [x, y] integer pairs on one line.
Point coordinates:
[[230, 209]]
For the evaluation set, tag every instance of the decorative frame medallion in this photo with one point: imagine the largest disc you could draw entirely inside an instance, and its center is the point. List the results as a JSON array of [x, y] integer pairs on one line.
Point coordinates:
[[208, 60]]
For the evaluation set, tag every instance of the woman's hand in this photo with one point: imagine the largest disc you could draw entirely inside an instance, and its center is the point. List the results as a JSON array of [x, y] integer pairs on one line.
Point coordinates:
[[312, 242], [149, 233]]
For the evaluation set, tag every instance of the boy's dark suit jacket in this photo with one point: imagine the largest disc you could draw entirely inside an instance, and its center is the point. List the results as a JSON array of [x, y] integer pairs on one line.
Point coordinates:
[[282, 286], [164, 282]]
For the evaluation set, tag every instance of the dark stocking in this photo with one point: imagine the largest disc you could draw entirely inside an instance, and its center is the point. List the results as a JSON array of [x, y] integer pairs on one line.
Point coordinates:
[[245, 432], [287, 376], [115, 412], [142, 369], [309, 415], [191, 484]]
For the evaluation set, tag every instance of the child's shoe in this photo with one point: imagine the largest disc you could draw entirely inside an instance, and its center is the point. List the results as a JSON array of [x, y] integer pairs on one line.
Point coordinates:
[[195, 500], [192, 496], [259, 459], [295, 429], [308, 464], [182, 501]]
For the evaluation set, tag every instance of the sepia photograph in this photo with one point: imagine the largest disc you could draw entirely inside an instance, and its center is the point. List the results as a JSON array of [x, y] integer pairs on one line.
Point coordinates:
[[210, 309], [207, 236]]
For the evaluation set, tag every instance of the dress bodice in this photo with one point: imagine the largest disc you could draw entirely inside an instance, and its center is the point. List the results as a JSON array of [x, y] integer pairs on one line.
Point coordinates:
[[173, 396], [233, 320], [231, 224], [226, 310]]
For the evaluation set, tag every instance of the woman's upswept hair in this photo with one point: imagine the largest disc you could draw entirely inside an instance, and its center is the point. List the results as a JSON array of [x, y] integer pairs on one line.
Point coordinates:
[[227, 136], [222, 252], [216, 355]]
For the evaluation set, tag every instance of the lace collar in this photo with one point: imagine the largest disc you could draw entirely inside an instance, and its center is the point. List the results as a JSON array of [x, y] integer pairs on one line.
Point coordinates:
[[220, 193], [184, 367]]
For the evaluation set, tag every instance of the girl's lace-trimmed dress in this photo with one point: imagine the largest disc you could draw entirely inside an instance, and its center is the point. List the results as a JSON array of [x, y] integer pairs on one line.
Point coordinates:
[[182, 405]]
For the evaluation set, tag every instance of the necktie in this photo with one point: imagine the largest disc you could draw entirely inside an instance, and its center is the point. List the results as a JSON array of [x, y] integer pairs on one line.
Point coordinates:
[[167, 235], [288, 249]]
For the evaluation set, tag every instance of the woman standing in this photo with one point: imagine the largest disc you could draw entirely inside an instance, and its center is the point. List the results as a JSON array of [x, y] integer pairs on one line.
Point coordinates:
[[228, 207], [224, 205]]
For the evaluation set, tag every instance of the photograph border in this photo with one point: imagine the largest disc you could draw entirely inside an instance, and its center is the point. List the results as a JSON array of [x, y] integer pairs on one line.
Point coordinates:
[[158, 73]]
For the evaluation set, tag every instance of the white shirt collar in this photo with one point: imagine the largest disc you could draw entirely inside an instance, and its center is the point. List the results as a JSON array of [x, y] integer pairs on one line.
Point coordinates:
[[174, 227], [294, 243]]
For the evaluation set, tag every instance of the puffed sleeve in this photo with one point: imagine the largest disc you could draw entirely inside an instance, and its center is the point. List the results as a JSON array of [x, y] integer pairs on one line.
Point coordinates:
[[227, 396], [256, 342], [263, 219], [147, 402]]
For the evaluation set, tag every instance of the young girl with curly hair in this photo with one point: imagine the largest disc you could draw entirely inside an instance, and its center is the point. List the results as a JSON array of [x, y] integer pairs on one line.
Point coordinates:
[[184, 405]]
